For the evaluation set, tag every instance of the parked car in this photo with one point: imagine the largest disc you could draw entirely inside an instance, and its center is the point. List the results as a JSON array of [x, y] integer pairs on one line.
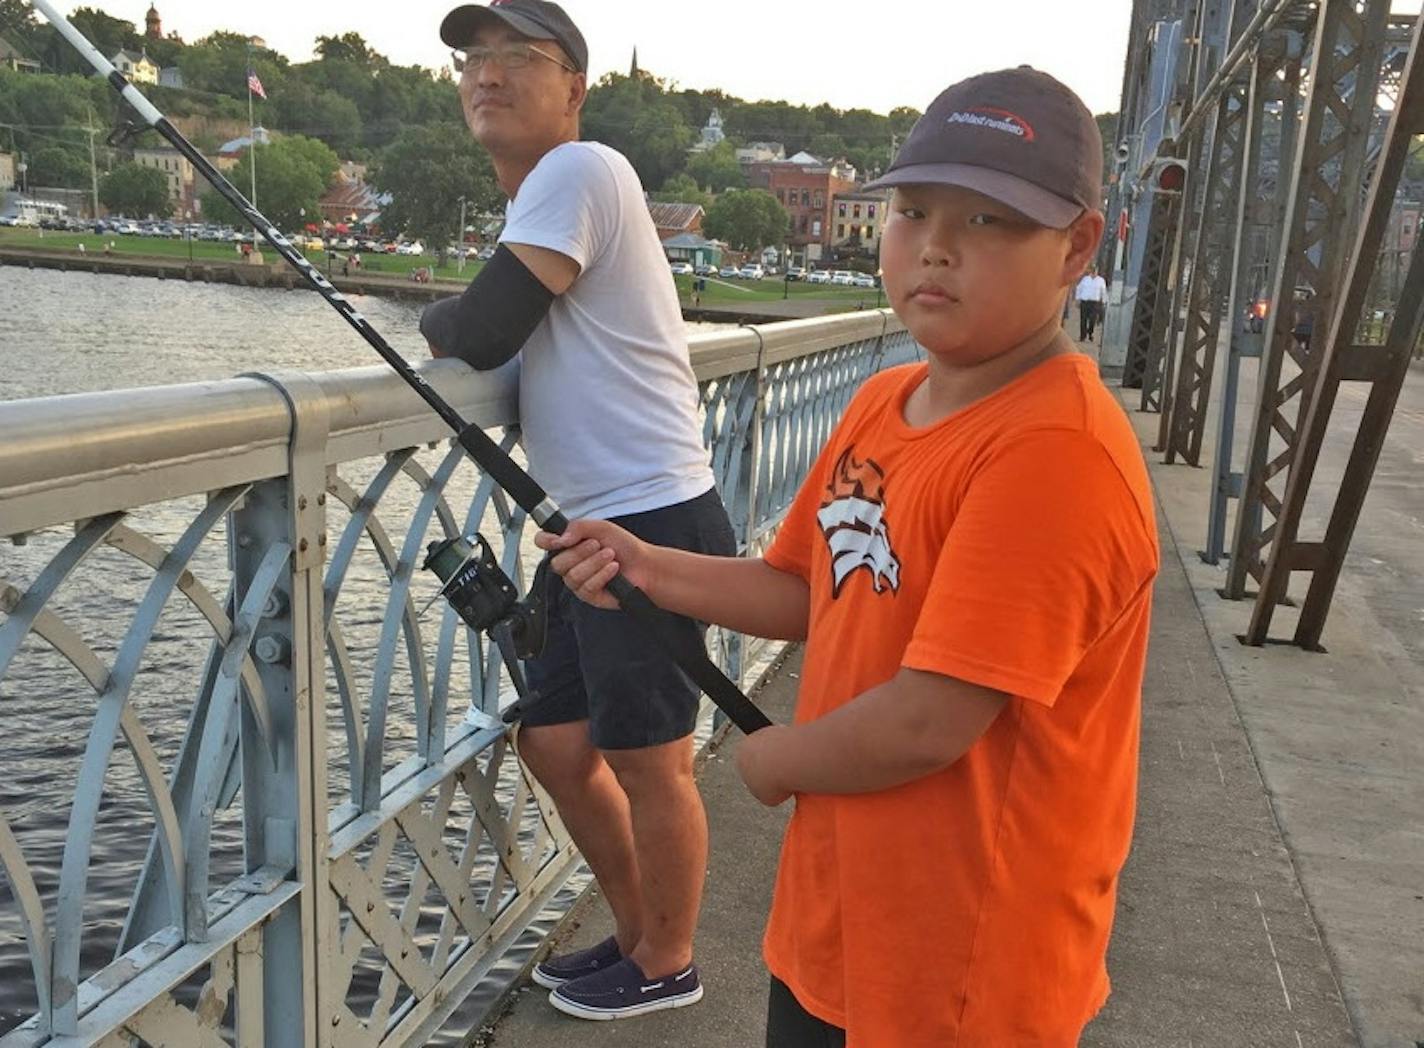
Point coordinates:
[[486, 253], [312, 244], [728, 272], [702, 269], [864, 280], [415, 247], [795, 273], [681, 269], [818, 276], [753, 271], [843, 278]]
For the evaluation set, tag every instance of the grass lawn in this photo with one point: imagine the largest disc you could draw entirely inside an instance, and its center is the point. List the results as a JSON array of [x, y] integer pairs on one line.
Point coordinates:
[[736, 292], [208, 251], [719, 292]]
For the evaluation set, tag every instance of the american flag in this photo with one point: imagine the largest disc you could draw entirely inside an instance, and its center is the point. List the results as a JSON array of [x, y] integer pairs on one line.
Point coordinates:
[[254, 85]]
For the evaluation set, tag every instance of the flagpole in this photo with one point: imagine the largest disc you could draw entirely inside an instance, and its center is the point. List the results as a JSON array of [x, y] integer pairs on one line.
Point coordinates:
[[251, 128]]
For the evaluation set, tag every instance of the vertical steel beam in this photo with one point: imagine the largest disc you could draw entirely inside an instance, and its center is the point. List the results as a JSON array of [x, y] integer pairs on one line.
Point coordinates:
[[1250, 255], [1342, 359], [1211, 266], [1324, 201]]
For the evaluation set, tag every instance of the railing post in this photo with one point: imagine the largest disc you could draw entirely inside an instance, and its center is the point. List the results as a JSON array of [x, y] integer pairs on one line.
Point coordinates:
[[752, 466], [285, 807]]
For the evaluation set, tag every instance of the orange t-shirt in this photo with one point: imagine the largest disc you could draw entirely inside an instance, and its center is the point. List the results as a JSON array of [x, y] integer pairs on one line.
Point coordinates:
[[1011, 545]]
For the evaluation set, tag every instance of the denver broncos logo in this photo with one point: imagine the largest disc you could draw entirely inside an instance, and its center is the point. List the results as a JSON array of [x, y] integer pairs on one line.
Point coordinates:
[[852, 520]]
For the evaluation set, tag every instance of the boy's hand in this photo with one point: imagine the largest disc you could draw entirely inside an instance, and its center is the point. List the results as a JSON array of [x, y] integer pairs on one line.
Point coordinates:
[[757, 762], [590, 553]]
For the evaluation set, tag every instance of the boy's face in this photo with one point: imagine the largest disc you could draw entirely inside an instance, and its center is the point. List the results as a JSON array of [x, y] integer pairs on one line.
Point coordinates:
[[973, 278]]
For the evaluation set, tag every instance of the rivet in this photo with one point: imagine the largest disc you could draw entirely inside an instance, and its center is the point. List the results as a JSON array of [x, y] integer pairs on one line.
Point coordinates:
[[302, 546], [301, 502]]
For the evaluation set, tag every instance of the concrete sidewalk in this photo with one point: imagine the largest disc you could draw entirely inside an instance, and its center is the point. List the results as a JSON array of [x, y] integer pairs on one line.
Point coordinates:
[[1220, 924]]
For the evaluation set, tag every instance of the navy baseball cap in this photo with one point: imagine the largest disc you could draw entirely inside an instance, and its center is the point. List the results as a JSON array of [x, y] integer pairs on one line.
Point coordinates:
[[1016, 135], [536, 19]]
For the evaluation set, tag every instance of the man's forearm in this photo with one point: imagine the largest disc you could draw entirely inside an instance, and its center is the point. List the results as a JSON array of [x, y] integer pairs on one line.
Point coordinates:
[[743, 594]]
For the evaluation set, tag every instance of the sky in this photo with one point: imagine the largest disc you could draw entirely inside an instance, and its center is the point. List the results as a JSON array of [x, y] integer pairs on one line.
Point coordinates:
[[849, 53]]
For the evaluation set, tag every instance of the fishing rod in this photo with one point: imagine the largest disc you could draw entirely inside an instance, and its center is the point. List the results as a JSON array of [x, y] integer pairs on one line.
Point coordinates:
[[689, 655]]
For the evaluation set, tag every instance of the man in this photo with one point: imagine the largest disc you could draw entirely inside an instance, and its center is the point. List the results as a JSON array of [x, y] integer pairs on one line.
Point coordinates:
[[579, 287], [1092, 295]]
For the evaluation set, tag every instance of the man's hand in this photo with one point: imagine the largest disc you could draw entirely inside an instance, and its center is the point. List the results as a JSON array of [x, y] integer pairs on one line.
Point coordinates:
[[757, 763], [591, 552]]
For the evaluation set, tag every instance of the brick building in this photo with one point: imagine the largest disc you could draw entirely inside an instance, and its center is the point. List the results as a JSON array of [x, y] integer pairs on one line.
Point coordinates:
[[806, 187]]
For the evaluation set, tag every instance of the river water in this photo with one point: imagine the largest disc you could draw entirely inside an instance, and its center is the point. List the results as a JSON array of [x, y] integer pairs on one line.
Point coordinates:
[[75, 332]]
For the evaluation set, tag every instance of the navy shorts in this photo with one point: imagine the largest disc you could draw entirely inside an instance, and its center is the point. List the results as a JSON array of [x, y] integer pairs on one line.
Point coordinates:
[[604, 667]]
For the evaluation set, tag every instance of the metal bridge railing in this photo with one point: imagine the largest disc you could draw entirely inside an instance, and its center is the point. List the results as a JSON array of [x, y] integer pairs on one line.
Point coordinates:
[[252, 792]]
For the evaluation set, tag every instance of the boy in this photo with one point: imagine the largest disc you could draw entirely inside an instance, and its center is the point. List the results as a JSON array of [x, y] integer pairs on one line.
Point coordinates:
[[970, 561]]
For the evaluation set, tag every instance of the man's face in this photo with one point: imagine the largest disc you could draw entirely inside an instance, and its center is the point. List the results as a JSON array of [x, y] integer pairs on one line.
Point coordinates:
[[971, 277], [516, 110]]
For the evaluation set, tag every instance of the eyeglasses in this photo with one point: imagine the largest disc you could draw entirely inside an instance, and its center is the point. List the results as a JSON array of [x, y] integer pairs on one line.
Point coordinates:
[[510, 56]]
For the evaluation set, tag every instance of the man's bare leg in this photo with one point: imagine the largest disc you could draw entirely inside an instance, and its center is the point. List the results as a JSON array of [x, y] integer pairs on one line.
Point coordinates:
[[670, 840], [595, 809]]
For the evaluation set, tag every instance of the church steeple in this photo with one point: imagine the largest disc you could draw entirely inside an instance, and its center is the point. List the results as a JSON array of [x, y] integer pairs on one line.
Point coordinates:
[[633, 70], [153, 24]]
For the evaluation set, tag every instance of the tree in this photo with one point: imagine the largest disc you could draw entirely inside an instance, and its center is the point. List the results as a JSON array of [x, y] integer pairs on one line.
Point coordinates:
[[323, 114], [134, 190], [682, 189], [349, 47], [219, 63], [17, 23], [310, 151], [1107, 127], [292, 174], [716, 169], [636, 117], [66, 167], [426, 171], [828, 146], [747, 219], [58, 108]]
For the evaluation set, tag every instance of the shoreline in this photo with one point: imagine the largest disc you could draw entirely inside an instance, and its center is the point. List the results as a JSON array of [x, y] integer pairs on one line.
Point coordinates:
[[279, 275]]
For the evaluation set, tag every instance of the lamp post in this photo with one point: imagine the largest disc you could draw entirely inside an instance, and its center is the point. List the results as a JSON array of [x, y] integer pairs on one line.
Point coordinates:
[[460, 241]]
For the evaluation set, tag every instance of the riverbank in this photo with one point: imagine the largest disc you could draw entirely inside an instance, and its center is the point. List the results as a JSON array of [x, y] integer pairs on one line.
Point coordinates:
[[392, 276]]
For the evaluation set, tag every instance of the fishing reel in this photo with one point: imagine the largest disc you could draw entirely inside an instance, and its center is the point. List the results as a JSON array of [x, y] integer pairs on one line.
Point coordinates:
[[486, 598]]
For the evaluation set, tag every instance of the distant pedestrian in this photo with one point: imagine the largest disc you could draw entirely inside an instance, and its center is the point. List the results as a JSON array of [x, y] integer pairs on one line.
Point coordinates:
[[1092, 296]]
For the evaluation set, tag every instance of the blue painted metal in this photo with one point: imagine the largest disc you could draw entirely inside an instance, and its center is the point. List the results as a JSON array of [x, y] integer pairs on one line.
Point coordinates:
[[284, 945]]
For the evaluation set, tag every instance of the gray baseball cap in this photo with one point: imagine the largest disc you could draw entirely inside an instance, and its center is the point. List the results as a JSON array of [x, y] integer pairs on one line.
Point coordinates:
[[536, 19], [1016, 135]]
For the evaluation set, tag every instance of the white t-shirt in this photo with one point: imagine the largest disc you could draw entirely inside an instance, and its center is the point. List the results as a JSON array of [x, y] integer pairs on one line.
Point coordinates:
[[1091, 289], [607, 398]]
